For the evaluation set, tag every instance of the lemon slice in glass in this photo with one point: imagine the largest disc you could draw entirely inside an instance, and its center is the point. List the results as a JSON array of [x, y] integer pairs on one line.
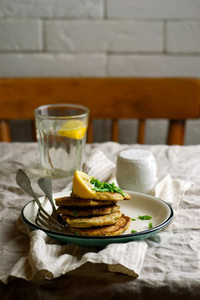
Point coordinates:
[[81, 185], [74, 129]]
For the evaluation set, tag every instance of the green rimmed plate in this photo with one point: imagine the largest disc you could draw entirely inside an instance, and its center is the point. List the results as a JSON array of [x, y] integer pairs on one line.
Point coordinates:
[[139, 205]]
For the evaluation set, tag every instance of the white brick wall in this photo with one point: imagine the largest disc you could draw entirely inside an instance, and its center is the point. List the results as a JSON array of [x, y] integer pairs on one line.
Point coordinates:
[[153, 9], [52, 8], [72, 38], [103, 36], [100, 38], [183, 37], [154, 66], [48, 65], [21, 35]]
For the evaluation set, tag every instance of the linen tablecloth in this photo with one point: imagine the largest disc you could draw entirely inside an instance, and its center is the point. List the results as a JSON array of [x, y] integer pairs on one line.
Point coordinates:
[[171, 267]]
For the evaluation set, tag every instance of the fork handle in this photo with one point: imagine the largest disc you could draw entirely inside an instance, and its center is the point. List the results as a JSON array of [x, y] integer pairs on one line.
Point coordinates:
[[24, 182]]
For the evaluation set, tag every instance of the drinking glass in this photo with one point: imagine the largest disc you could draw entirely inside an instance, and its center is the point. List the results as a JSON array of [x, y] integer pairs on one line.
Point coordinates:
[[61, 134]]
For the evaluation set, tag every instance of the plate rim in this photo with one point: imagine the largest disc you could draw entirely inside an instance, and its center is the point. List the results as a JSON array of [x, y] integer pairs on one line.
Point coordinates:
[[112, 237]]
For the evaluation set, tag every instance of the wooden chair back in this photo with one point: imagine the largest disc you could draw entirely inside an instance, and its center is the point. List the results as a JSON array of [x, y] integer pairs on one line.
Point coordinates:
[[175, 99]]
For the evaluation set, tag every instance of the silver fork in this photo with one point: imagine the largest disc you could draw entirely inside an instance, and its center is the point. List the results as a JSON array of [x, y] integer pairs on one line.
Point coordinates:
[[42, 217], [46, 186]]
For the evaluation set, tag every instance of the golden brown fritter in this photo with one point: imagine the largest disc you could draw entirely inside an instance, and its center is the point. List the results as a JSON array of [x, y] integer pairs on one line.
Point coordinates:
[[85, 211], [92, 221], [70, 201], [118, 228]]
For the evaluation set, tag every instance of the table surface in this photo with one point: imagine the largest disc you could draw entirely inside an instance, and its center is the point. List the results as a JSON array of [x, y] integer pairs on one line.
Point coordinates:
[[174, 275]]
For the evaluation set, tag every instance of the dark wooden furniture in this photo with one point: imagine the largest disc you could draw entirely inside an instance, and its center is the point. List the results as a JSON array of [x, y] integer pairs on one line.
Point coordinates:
[[176, 99]]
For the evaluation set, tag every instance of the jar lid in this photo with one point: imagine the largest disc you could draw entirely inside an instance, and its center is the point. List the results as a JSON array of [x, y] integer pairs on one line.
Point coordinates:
[[136, 155]]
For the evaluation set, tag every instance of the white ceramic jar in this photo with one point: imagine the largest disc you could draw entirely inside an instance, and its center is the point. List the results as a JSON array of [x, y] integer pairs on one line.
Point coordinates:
[[136, 170]]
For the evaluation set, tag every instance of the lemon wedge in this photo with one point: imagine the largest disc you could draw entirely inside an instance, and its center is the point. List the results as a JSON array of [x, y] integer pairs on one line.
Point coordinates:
[[81, 185], [74, 129]]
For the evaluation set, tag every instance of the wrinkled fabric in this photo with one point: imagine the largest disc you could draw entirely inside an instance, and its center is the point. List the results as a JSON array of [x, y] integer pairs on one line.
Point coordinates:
[[171, 264]]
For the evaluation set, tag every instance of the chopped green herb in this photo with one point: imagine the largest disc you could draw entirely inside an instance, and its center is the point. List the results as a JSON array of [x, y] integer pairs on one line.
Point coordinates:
[[145, 217], [77, 233], [133, 219], [150, 225], [75, 213], [133, 231], [99, 186]]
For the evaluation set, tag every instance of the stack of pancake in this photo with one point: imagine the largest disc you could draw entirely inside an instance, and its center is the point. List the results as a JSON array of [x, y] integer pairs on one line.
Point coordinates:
[[94, 217]]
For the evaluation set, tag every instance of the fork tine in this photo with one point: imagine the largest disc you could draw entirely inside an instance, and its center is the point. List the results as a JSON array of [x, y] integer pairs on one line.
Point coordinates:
[[50, 217], [39, 222], [40, 215], [47, 220]]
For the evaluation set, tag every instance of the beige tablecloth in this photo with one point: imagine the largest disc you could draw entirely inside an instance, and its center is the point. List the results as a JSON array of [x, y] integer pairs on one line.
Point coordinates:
[[172, 262]]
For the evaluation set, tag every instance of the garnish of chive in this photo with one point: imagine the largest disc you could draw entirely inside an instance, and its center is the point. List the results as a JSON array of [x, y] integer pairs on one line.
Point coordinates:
[[145, 217], [133, 219], [133, 231], [99, 186], [150, 225]]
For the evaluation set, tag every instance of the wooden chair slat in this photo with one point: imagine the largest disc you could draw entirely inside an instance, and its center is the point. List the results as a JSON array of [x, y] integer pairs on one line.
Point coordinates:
[[141, 132], [33, 130], [114, 131], [113, 98], [90, 132], [176, 132], [4, 131]]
